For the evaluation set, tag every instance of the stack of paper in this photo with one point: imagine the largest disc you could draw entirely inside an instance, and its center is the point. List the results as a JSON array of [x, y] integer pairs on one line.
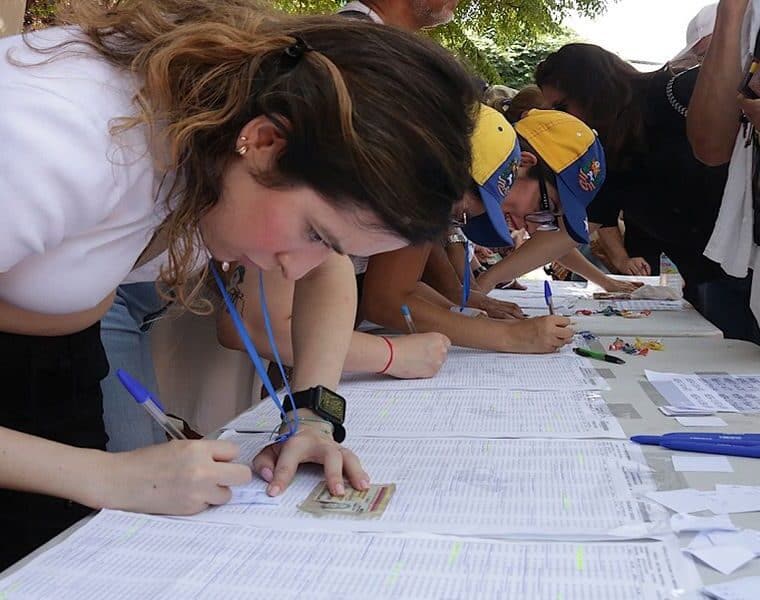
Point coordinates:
[[462, 413], [480, 370], [124, 556], [718, 393], [563, 489]]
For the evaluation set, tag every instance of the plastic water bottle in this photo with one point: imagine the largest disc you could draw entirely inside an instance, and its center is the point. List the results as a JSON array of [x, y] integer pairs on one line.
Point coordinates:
[[669, 275]]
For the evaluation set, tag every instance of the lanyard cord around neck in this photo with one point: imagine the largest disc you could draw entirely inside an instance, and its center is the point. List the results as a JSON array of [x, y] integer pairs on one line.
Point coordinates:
[[467, 275], [254, 355]]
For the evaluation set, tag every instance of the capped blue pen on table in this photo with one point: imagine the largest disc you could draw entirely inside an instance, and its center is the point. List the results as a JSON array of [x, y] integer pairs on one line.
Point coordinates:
[[740, 444], [548, 296], [151, 404]]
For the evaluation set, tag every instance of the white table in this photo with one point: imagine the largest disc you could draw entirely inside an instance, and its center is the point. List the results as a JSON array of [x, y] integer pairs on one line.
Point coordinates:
[[684, 323], [635, 406], [660, 323], [629, 388]]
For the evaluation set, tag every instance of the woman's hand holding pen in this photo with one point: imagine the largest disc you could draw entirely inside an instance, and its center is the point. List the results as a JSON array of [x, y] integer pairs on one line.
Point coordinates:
[[539, 335], [418, 356], [178, 478]]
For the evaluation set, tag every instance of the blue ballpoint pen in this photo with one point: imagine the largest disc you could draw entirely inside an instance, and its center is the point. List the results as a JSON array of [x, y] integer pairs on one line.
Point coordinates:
[[724, 437], [548, 296], [712, 448], [407, 314], [704, 438], [149, 403]]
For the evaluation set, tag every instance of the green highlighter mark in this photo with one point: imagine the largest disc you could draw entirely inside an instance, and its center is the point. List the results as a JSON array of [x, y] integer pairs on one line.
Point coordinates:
[[395, 573], [579, 558], [454, 554], [566, 502]]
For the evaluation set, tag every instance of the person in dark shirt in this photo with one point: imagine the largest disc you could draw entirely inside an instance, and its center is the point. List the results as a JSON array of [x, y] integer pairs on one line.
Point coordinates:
[[669, 200]]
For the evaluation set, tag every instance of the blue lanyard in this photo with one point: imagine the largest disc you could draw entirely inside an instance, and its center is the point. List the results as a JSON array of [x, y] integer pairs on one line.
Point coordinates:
[[254, 355], [467, 275]]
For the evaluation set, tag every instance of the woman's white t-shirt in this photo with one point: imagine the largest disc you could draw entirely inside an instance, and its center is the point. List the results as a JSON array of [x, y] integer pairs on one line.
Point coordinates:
[[77, 205]]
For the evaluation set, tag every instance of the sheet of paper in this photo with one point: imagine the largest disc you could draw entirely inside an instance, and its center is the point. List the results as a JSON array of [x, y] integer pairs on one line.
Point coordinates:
[[741, 391], [472, 370], [462, 413], [643, 304], [554, 488], [725, 559], [701, 421], [681, 522], [675, 411], [749, 538], [705, 464], [746, 588], [736, 498], [687, 500], [121, 556], [728, 393], [688, 390]]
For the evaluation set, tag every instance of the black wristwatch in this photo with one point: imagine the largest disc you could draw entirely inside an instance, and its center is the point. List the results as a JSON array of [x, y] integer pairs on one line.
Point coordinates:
[[325, 403]]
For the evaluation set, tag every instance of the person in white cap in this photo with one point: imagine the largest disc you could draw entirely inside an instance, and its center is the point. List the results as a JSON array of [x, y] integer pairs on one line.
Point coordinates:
[[698, 36]]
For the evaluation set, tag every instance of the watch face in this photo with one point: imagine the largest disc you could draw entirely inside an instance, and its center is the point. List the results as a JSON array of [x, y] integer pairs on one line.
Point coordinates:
[[332, 404]]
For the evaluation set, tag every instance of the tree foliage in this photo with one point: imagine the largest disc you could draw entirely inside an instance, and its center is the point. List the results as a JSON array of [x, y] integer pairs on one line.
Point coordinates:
[[490, 33], [515, 64], [486, 33]]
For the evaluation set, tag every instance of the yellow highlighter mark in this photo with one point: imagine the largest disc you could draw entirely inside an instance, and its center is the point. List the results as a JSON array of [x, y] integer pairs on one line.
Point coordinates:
[[579, 558], [566, 502], [456, 548]]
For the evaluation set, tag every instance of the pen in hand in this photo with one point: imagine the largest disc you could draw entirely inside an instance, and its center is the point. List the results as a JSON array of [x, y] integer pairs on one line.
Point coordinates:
[[149, 403], [548, 296], [407, 314]]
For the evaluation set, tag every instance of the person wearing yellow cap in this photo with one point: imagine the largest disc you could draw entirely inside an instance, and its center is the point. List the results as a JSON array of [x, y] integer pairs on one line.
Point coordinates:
[[393, 279], [494, 168], [561, 170]]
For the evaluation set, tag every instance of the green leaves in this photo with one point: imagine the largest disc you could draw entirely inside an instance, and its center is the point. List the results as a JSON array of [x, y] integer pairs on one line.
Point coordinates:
[[502, 40]]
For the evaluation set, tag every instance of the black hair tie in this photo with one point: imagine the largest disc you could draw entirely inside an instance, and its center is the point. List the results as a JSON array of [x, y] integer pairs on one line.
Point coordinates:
[[296, 50]]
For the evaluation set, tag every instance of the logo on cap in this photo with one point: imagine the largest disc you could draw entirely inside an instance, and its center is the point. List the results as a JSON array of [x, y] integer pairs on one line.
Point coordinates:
[[507, 178], [589, 176]]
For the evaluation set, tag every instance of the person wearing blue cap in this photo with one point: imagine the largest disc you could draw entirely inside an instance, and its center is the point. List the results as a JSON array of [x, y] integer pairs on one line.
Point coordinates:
[[393, 279], [562, 167]]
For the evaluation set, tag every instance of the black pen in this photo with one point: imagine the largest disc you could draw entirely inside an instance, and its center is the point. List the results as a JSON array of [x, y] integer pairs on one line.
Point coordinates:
[[599, 356]]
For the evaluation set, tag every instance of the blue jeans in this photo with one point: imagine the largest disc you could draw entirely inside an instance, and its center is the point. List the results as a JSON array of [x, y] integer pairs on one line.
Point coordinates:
[[725, 303], [125, 332]]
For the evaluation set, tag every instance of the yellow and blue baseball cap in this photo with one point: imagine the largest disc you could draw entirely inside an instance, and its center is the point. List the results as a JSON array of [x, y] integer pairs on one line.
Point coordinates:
[[495, 158], [572, 150]]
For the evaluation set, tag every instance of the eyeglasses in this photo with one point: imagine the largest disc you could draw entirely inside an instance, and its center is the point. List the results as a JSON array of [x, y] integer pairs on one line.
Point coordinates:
[[546, 218]]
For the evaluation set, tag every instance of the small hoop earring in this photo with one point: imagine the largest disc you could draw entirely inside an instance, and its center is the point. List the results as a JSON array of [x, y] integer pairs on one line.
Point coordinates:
[[225, 266]]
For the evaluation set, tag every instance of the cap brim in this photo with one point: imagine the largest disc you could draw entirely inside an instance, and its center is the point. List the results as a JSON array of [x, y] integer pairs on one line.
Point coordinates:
[[684, 52], [489, 229]]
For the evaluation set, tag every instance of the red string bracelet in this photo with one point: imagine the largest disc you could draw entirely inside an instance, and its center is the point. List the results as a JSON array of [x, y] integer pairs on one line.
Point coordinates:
[[390, 359]]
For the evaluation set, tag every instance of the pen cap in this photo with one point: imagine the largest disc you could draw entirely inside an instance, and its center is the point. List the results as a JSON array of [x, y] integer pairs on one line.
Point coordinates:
[[135, 388]]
